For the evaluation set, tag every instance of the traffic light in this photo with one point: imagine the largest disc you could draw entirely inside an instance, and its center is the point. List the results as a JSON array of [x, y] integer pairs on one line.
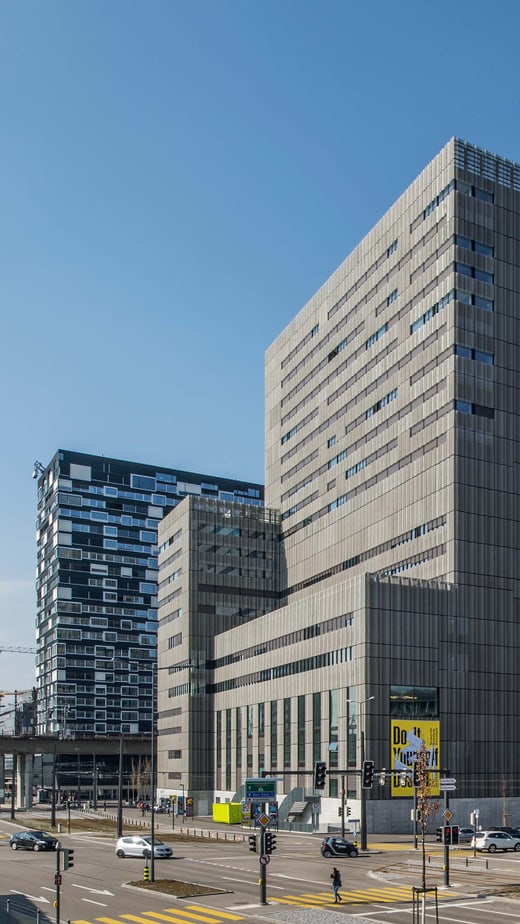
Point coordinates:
[[68, 859], [403, 777], [340, 811], [382, 777], [416, 775], [454, 834], [320, 774], [446, 834], [270, 841], [367, 774], [349, 810], [252, 842]]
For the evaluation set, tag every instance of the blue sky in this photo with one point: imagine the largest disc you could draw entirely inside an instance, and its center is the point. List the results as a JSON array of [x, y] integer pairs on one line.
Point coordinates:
[[176, 181]]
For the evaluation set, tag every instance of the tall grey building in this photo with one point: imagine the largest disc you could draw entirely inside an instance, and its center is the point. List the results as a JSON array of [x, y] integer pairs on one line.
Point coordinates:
[[96, 624], [392, 448]]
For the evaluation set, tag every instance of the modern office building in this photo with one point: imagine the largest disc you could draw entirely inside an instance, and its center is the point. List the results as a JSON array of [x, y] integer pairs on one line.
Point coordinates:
[[96, 624], [220, 569], [392, 453]]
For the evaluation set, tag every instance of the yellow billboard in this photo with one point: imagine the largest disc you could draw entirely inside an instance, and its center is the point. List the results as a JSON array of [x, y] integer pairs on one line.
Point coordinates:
[[407, 738]]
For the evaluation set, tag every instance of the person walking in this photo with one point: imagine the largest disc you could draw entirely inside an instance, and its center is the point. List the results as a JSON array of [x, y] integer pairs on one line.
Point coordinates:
[[336, 884]]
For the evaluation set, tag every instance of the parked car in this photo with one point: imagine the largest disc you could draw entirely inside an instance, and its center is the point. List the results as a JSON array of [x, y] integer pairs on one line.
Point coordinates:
[[466, 835], [338, 847], [139, 846], [495, 840], [32, 840]]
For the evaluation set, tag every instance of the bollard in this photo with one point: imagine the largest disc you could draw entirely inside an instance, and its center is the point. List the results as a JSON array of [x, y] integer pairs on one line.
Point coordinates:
[[59, 828], [467, 862], [146, 873]]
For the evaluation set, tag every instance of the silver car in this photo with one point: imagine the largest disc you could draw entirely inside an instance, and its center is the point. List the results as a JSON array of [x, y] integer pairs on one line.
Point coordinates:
[[495, 840], [139, 846]]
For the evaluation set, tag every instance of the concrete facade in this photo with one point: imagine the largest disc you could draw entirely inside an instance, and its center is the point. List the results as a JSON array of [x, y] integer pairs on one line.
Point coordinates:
[[392, 449]]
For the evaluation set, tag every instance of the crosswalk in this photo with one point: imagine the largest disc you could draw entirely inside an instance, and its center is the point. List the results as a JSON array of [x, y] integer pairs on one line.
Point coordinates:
[[190, 914], [386, 895]]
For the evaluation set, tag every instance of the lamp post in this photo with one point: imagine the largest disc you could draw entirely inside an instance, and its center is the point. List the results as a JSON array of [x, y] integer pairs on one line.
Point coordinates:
[[152, 775], [363, 793]]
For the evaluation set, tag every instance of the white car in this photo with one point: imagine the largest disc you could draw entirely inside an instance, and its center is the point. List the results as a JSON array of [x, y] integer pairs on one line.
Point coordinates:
[[495, 840], [139, 846]]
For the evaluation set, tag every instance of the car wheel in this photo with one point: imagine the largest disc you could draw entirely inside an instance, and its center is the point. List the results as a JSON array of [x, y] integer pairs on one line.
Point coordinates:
[[517, 847], [120, 853], [492, 848], [327, 854], [354, 853], [36, 847], [14, 846]]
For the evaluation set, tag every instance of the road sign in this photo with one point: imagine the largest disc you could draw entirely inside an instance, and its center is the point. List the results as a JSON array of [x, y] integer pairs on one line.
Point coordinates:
[[260, 790], [448, 783], [315, 806], [262, 819], [264, 859], [447, 815]]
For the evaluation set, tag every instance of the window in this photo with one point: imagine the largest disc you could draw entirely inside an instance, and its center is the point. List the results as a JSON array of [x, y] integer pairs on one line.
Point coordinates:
[[287, 732], [438, 306], [392, 297], [393, 247], [374, 337], [478, 410], [438, 199], [477, 246], [331, 440], [301, 731], [479, 356], [467, 190], [468, 298]]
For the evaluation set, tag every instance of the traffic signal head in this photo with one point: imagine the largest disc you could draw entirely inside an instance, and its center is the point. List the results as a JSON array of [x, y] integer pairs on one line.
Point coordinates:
[[68, 859], [340, 811], [320, 774], [270, 841], [403, 776], [416, 775], [252, 842], [367, 774], [382, 777], [454, 834], [446, 834], [349, 810]]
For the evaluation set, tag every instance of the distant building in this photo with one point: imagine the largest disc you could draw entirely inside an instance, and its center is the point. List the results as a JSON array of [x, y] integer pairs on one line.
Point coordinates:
[[96, 624]]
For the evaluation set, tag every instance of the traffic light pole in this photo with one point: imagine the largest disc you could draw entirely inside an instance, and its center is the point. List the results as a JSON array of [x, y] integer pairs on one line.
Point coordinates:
[[343, 806], [263, 868], [446, 845], [57, 883], [363, 802]]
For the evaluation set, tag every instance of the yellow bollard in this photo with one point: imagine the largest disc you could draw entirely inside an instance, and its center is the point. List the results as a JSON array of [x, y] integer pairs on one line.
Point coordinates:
[[146, 873]]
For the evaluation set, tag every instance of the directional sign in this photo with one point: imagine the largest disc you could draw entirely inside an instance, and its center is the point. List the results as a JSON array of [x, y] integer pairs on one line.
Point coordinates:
[[260, 790], [448, 783]]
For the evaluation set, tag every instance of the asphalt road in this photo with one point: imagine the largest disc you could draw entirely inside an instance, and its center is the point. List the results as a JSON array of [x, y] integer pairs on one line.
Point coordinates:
[[376, 885]]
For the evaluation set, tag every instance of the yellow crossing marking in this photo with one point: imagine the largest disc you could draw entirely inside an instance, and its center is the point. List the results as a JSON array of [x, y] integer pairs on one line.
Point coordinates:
[[221, 914], [354, 896], [185, 916]]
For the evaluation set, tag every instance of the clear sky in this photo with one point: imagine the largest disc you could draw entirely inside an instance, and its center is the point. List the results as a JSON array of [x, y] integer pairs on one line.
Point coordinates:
[[177, 178]]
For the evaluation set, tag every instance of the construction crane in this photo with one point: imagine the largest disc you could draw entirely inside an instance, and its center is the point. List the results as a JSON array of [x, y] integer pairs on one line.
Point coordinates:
[[17, 648]]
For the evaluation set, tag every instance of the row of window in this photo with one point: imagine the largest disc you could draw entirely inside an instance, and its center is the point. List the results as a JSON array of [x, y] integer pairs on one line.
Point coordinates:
[[476, 246], [480, 356], [478, 409], [391, 396], [375, 337], [282, 641], [303, 666], [436, 201], [466, 298]]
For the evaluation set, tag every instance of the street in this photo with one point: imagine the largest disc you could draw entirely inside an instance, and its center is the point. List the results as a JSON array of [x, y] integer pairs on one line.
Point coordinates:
[[376, 885]]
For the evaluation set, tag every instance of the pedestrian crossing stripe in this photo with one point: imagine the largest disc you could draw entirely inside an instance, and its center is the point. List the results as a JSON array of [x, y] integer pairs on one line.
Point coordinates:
[[354, 896], [191, 914], [186, 916]]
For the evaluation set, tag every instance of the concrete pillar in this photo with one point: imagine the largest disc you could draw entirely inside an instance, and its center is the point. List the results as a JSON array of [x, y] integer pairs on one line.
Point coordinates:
[[28, 780]]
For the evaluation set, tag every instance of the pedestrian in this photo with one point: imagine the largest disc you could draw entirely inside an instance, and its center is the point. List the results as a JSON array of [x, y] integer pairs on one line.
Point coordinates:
[[336, 884]]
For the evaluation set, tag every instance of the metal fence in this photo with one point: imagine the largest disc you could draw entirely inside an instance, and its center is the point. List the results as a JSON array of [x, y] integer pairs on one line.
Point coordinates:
[[21, 911]]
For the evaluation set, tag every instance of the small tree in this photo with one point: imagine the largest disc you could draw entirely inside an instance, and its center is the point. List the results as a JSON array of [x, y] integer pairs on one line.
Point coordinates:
[[426, 806]]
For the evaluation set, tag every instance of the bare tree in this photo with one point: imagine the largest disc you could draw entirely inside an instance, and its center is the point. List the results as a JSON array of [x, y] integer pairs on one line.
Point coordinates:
[[426, 806]]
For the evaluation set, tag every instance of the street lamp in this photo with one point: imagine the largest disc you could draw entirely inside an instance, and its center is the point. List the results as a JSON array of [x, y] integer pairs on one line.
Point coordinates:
[[363, 794], [152, 775]]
